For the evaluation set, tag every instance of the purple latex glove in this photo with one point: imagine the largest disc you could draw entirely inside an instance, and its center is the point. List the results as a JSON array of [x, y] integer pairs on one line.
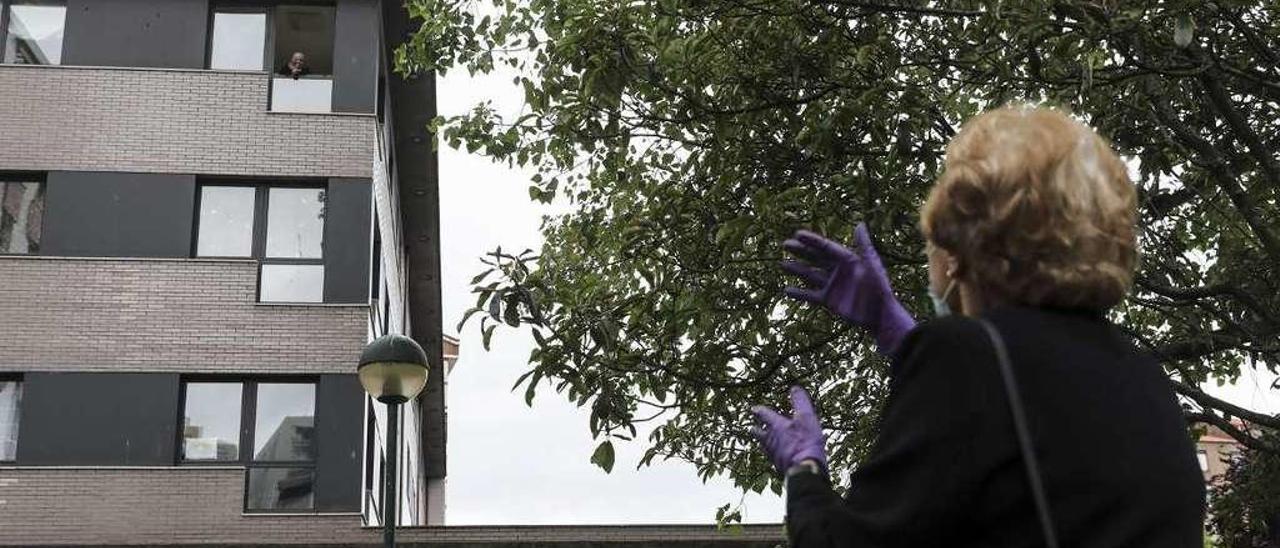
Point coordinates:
[[852, 285], [788, 441]]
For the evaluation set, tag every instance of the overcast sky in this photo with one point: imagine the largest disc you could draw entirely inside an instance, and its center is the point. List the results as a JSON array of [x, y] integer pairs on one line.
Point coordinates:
[[509, 464]]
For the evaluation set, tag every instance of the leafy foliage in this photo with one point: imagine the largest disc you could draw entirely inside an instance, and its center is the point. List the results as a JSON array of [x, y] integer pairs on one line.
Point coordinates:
[[1246, 502], [689, 137]]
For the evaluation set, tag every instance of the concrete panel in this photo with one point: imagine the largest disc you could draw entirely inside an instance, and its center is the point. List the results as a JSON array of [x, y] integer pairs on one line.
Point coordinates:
[[98, 419], [355, 56], [136, 33], [95, 214], [347, 231], [340, 425]]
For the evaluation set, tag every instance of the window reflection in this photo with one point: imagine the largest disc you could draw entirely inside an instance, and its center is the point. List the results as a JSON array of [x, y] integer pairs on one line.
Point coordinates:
[[211, 421], [10, 404], [226, 222], [239, 41], [281, 489], [34, 33], [21, 216], [284, 425]]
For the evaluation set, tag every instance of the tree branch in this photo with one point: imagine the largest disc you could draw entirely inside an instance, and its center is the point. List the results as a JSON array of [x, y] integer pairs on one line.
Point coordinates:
[[1205, 400], [1237, 434]]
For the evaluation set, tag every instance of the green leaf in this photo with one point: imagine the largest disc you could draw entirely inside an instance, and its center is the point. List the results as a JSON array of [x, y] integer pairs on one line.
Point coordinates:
[[1183, 30], [487, 334], [481, 276], [495, 305], [603, 456], [532, 388], [465, 317]]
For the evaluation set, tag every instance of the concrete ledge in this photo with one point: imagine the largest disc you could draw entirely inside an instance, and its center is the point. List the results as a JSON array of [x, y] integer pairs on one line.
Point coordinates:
[[541, 536]]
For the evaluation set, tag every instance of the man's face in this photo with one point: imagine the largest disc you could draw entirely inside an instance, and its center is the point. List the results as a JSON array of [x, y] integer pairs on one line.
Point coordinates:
[[297, 62]]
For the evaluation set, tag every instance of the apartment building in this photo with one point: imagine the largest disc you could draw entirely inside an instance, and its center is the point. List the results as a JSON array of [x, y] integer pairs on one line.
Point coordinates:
[[206, 210]]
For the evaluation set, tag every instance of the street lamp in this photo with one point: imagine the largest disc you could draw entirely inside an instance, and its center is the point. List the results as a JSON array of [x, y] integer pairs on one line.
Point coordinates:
[[393, 369]]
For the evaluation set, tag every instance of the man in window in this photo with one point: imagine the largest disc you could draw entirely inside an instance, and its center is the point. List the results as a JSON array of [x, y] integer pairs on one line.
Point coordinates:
[[296, 67]]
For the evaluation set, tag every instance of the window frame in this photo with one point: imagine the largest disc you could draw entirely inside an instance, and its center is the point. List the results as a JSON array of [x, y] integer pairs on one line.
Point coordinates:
[[261, 209], [18, 378], [40, 178], [267, 8], [268, 40], [4, 24], [248, 425]]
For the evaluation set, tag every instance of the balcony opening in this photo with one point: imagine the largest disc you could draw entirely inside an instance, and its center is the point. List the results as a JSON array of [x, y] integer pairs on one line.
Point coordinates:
[[302, 60]]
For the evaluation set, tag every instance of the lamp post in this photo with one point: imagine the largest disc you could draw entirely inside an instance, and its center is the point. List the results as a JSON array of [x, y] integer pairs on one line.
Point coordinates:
[[393, 370]]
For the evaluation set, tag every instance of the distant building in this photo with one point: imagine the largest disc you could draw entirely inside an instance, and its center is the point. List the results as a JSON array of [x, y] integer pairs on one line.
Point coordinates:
[[1214, 450]]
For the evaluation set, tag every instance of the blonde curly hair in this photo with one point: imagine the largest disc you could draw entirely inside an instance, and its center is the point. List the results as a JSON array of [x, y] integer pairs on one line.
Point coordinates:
[[1037, 209]]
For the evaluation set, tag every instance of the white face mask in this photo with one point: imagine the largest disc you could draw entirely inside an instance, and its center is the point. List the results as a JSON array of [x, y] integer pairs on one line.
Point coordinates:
[[940, 307]]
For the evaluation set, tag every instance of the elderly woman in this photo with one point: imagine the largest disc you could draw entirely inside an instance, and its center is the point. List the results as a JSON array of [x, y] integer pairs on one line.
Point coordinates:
[[1025, 418]]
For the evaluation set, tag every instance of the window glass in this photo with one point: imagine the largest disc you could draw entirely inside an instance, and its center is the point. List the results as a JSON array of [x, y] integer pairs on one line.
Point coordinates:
[[303, 95], [21, 216], [292, 283], [272, 488], [226, 221], [239, 41], [284, 423], [1204, 460], [295, 223], [211, 421], [10, 404], [34, 36]]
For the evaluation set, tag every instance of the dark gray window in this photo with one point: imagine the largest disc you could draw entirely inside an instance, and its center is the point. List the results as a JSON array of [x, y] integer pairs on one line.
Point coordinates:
[[21, 216], [284, 422], [239, 40], [281, 226], [293, 264], [33, 32], [10, 406], [226, 221], [266, 425], [211, 421]]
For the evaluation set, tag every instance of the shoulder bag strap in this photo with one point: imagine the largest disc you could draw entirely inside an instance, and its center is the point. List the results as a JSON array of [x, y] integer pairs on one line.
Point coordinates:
[[1024, 436]]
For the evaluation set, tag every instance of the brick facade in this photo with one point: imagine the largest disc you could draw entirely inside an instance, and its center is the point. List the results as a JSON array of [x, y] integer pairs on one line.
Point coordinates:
[[176, 505], [201, 505], [169, 121], [164, 315]]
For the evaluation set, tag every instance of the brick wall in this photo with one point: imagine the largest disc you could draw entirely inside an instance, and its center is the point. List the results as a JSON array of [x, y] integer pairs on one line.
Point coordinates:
[[175, 315], [202, 505], [148, 506], [169, 121]]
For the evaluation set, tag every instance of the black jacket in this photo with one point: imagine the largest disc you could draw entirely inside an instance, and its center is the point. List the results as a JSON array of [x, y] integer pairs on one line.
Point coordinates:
[[1118, 462]]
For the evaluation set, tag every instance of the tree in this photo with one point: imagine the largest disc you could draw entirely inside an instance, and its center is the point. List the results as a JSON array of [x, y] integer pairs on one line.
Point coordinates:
[[1246, 502], [690, 137]]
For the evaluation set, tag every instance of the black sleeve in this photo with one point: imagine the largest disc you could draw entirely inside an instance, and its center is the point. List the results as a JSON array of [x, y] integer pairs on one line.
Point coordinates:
[[924, 467]]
